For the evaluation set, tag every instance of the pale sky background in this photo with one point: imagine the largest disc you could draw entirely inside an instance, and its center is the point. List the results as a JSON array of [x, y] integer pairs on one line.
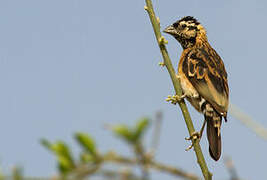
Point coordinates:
[[74, 65]]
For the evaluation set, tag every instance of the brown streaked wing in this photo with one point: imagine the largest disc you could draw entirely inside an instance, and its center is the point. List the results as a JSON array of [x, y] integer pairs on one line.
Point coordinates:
[[205, 70]]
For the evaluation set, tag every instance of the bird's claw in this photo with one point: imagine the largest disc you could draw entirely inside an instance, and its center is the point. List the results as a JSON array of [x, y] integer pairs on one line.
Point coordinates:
[[190, 147], [175, 98], [193, 138]]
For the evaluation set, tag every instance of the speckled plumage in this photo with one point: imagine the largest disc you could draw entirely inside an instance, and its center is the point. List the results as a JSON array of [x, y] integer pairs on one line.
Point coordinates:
[[203, 77]]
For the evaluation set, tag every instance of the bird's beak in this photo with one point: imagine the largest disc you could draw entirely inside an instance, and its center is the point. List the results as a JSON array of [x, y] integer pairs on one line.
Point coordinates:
[[170, 30]]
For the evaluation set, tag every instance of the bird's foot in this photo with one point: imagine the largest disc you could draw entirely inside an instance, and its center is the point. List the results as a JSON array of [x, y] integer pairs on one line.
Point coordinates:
[[195, 136], [175, 98]]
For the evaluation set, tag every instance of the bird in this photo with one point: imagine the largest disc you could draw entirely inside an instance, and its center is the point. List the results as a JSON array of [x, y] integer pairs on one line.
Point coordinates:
[[203, 78]]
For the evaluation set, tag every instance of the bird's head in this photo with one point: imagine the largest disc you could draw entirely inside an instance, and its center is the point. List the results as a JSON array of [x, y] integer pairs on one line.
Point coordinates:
[[186, 31]]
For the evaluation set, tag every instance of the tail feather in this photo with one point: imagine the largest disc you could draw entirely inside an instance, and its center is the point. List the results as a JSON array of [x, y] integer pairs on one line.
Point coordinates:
[[214, 135]]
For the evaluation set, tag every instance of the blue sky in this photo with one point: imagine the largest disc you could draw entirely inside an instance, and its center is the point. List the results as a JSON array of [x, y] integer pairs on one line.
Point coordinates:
[[68, 66]]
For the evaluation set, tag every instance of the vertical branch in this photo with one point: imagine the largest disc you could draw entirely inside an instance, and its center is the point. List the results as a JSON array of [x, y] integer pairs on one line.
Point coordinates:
[[156, 133], [142, 160], [167, 62], [230, 167]]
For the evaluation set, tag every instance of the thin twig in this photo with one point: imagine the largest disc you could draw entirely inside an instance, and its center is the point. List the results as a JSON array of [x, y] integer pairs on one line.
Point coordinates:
[[230, 167], [156, 133], [114, 158], [167, 62], [83, 171], [142, 160], [114, 174]]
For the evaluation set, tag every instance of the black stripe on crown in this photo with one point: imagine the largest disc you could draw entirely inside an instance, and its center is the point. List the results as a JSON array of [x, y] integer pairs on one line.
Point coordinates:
[[189, 18]]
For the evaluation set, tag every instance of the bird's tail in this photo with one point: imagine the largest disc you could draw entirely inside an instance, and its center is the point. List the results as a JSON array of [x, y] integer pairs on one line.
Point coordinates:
[[214, 134]]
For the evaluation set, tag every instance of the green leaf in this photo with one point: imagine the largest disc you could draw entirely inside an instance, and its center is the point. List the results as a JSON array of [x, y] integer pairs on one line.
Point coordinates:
[[64, 164], [65, 160], [62, 169], [140, 128], [64, 157], [60, 148], [46, 144], [124, 132], [86, 142]]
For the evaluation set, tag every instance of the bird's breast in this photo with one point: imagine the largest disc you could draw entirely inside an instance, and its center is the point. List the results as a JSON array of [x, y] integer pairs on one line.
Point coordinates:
[[187, 87]]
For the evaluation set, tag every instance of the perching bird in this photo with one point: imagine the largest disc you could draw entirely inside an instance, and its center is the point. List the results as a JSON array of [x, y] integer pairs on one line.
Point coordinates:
[[203, 78]]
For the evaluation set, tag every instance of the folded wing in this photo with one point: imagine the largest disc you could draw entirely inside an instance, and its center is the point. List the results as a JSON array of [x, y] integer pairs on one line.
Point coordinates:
[[205, 70]]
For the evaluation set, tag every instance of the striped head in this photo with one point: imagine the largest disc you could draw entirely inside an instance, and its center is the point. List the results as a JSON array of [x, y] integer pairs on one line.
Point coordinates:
[[186, 31]]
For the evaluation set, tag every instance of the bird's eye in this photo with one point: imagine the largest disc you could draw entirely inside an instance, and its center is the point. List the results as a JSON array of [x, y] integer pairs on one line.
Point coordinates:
[[183, 26], [192, 28]]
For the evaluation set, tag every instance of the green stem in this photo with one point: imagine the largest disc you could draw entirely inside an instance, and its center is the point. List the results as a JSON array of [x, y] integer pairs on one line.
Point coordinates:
[[142, 159], [167, 62], [115, 158]]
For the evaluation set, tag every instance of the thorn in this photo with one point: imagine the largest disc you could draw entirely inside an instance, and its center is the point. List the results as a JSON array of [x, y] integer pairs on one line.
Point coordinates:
[[146, 8], [161, 64], [158, 20]]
